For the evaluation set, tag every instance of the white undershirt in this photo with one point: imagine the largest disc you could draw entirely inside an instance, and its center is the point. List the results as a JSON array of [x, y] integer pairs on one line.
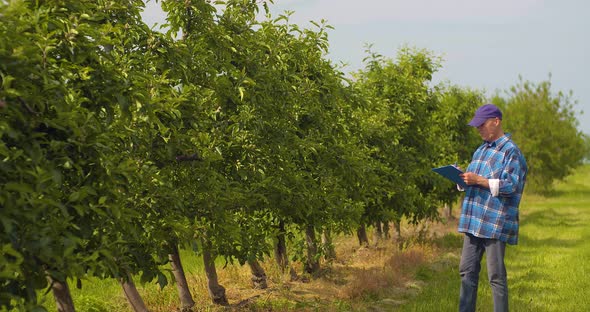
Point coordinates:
[[494, 186]]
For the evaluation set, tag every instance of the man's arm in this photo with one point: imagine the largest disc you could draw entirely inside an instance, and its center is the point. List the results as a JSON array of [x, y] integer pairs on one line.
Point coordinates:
[[471, 178], [493, 185], [513, 175]]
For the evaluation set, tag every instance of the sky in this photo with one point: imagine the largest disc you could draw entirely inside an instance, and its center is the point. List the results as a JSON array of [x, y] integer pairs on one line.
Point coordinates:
[[485, 45]]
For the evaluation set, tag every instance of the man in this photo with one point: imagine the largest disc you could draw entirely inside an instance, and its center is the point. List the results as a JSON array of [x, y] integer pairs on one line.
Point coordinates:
[[495, 181]]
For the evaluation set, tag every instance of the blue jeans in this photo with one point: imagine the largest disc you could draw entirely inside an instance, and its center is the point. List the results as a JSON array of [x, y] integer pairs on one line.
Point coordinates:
[[473, 250]]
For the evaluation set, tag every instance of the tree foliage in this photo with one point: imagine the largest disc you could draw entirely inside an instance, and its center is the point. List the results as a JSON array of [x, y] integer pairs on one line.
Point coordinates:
[[544, 125]]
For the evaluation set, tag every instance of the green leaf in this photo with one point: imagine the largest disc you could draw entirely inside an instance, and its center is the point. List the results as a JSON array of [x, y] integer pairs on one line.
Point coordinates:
[[162, 280], [18, 187]]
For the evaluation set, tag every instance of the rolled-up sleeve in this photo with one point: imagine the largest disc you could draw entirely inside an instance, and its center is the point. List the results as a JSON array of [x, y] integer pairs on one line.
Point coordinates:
[[494, 186]]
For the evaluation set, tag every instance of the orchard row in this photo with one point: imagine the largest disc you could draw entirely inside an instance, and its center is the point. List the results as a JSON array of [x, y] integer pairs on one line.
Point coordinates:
[[231, 134]]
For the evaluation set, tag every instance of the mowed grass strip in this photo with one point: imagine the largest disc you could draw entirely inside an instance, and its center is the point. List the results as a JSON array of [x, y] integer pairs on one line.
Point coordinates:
[[547, 271]]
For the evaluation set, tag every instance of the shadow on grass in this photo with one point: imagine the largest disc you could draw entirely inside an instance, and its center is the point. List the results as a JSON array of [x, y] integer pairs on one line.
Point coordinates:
[[553, 218], [571, 189], [581, 193]]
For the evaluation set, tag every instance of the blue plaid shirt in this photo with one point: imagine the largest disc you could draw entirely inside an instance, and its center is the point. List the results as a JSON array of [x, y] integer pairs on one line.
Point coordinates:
[[484, 215]]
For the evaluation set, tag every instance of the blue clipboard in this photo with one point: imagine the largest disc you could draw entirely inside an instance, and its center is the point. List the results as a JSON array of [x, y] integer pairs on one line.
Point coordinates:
[[452, 173]]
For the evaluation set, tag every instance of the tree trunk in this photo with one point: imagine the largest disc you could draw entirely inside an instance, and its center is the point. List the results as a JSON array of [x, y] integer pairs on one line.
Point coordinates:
[[378, 232], [330, 252], [281, 248], [386, 233], [449, 211], [281, 253], [62, 295], [398, 229], [312, 265], [258, 275], [186, 299], [361, 233], [216, 291], [132, 294]]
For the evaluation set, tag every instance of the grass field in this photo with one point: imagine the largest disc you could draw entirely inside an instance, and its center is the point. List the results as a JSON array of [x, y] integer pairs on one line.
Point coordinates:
[[547, 270]]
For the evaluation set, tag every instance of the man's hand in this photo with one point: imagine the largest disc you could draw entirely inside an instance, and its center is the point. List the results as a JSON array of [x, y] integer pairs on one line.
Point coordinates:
[[471, 178]]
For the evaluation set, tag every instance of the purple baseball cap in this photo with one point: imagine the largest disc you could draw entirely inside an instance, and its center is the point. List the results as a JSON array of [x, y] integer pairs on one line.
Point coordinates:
[[484, 113]]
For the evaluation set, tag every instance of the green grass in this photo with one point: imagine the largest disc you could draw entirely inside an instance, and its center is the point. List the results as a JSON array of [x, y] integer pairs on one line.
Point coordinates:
[[547, 271]]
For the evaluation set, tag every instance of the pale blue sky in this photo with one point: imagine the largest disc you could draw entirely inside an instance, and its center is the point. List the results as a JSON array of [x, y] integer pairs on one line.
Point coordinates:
[[484, 44]]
